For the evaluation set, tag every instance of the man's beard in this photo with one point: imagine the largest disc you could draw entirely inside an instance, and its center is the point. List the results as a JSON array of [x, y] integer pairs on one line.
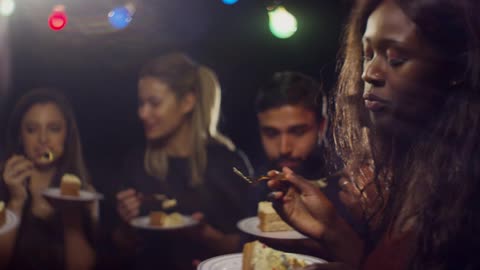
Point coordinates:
[[280, 162]]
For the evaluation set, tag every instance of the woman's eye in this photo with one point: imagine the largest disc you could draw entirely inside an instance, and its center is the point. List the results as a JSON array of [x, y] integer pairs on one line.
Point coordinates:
[[395, 62], [156, 103], [395, 58], [56, 128], [367, 57]]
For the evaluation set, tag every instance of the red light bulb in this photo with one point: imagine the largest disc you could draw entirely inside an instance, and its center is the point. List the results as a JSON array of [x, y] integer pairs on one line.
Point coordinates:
[[57, 20]]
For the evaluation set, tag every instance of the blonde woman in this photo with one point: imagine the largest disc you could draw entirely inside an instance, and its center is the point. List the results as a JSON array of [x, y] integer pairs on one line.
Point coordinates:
[[187, 159]]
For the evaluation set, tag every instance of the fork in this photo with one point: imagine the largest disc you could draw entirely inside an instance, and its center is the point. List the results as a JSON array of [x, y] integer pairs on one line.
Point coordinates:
[[248, 179], [166, 202], [321, 183]]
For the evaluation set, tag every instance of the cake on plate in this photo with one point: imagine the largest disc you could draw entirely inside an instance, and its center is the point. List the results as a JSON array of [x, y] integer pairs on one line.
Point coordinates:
[[270, 221], [70, 185], [258, 256], [162, 219]]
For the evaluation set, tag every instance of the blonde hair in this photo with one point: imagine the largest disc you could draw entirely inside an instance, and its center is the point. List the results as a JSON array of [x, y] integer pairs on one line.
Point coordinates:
[[183, 76]]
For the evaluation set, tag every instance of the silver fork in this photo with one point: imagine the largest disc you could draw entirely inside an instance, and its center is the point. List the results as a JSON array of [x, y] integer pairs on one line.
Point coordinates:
[[248, 179], [321, 183]]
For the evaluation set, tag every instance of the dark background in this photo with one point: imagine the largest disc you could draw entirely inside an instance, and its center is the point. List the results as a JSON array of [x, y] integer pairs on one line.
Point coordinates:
[[97, 67]]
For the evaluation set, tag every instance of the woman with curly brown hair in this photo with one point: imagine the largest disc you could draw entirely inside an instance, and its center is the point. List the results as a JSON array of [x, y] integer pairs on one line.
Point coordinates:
[[407, 126]]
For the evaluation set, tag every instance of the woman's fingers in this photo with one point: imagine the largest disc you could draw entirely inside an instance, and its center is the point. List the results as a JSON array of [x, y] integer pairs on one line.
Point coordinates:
[[299, 182], [23, 175], [14, 169], [289, 178], [198, 216], [275, 195], [128, 205], [128, 214], [13, 160], [22, 167]]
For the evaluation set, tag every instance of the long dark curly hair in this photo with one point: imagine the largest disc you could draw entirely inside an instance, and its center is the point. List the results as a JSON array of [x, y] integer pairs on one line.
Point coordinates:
[[434, 181]]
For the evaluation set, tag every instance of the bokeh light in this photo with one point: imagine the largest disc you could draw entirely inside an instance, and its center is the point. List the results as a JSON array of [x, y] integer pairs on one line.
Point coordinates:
[[229, 2], [120, 17], [282, 23], [7, 7], [57, 20]]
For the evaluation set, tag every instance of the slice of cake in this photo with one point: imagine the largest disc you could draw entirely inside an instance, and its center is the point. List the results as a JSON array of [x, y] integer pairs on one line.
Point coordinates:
[[3, 213], [270, 221], [169, 204], [258, 256], [70, 185], [157, 218], [162, 219]]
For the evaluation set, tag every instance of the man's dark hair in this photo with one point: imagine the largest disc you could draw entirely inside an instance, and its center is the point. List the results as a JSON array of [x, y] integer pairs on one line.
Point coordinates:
[[292, 88]]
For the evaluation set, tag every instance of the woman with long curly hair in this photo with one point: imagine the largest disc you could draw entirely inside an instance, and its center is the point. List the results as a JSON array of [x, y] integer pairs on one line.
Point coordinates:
[[407, 127]]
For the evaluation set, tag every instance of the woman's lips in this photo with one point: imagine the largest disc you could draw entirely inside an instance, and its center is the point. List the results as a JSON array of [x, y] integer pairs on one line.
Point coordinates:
[[149, 128], [374, 105]]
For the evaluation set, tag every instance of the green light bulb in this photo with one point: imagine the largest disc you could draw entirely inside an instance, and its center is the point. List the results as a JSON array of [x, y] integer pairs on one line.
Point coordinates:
[[7, 7], [282, 23]]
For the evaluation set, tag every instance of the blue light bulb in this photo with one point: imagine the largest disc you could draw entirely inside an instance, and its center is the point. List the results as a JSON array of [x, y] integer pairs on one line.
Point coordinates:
[[120, 17], [229, 2]]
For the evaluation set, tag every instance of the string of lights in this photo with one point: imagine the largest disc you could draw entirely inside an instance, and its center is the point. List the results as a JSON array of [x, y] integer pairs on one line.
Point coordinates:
[[282, 23]]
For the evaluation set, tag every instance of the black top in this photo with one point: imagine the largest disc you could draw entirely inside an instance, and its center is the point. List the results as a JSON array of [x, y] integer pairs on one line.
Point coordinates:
[[40, 242], [222, 198]]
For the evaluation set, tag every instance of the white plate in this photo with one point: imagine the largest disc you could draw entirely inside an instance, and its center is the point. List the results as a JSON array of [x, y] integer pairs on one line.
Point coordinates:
[[11, 221], [143, 222], [250, 226], [84, 196], [234, 262]]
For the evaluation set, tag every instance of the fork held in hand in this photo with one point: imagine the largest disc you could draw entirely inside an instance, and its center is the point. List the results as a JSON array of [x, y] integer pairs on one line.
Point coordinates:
[[248, 179], [239, 173], [321, 183]]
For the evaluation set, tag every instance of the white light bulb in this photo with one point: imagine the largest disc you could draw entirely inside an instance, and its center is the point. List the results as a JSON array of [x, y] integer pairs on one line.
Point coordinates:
[[7, 7]]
